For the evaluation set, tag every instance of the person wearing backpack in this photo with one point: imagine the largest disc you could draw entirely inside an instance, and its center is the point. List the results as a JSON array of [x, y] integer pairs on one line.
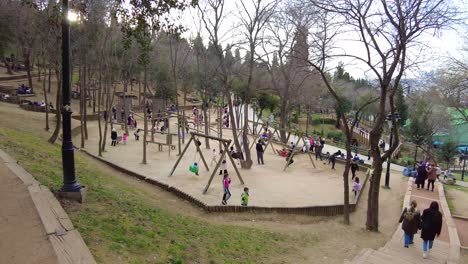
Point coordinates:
[[431, 226], [411, 219]]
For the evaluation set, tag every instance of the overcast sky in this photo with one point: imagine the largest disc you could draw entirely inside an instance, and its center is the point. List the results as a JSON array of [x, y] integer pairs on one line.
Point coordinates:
[[437, 47]]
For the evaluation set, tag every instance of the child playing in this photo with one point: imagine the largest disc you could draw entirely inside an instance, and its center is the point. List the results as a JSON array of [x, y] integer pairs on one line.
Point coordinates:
[[214, 157], [356, 186], [194, 168], [137, 134], [124, 138], [223, 168], [245, 197], [227, 193]]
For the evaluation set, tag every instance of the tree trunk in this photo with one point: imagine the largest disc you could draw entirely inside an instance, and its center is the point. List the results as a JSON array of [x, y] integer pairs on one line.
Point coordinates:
[[82, 106], [107, 84], [415, 157], [27, 64], [99, 111], [372, 223], [349, 154], [49, 85], [47, 128], [145, 122], [85, 114], [233, 124], [283, 119], [126, 112], [7, 66], [58, 103], [183, 118], [207, 126]]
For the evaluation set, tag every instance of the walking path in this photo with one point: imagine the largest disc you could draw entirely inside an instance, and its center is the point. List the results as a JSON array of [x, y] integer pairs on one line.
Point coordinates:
[[33, 225], [446, 247], [20, 225]]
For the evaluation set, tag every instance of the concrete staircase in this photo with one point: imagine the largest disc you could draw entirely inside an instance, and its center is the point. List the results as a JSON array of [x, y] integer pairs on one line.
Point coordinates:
[[394, 252]]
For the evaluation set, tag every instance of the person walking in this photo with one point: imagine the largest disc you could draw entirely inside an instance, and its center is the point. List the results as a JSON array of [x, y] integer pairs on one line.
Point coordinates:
[[318, 150], [431, 176], [430, 227], [357, 186], [421, 175], [245, 197], [260, 150], [124, 138], [332, 158], [223, 168], [137, 134], [226, 192], [354, 168], [411, 222], [114, 137], [214, 157]]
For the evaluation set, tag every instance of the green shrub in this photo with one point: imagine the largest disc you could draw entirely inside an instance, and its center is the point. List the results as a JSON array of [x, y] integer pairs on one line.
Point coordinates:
[[326, 120], [335, 135], [405, 160]]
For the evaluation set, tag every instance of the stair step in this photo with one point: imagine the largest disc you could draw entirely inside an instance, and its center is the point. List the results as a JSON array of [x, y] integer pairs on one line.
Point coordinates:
[[379, 257], [414, 256], [362, 255]]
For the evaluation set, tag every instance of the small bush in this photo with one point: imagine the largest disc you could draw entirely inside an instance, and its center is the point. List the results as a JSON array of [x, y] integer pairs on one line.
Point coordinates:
[[405, 160], [326, 120], [335, 135]]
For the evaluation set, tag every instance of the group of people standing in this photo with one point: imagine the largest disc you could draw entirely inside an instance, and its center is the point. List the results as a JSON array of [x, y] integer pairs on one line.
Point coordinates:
[[430, 224], [427, 171]]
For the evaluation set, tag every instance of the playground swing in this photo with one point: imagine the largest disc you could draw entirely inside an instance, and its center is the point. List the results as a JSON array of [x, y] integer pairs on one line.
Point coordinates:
[[225, 143]]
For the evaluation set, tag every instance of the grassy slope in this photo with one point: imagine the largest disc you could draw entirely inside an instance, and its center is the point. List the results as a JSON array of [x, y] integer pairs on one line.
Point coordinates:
[[120, 225]]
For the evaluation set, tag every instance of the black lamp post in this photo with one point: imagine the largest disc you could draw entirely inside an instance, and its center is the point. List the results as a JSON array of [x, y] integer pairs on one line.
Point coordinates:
[[390, 126], [465, 156], [68, 160]]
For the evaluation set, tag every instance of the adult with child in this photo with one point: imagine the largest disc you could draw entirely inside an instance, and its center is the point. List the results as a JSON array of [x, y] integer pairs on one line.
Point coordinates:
[[430, 227], [411, 222], [260, 150]]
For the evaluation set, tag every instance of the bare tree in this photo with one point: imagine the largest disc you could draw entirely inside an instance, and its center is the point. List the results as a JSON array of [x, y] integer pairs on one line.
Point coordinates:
[[387, 31], [213, 14], [254, 17]]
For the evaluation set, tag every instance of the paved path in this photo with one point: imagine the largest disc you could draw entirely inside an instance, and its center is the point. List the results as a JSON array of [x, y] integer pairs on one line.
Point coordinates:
[[394, 252], [462, 184], [24, 239], [33, 225]]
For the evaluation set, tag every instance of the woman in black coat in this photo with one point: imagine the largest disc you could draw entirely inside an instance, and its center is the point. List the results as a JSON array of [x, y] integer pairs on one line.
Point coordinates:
[[421, 176], [431, 226], [114, 137]]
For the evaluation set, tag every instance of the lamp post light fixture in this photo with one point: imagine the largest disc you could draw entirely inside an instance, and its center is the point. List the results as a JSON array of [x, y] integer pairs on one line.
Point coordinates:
[[390, 126], [71, 188]]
